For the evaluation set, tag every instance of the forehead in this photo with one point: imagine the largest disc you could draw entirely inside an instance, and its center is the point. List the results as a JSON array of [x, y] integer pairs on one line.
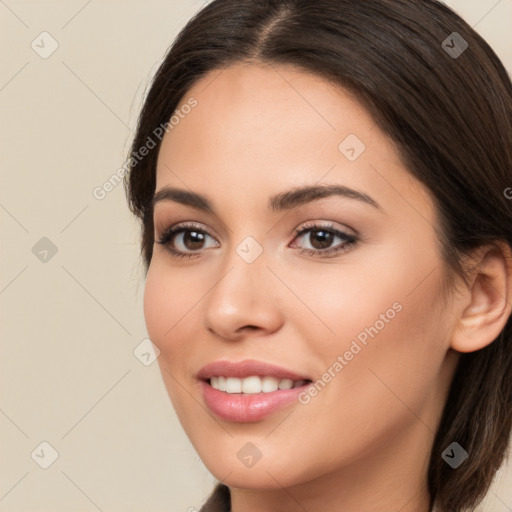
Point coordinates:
[[259, 128], [258, 107]]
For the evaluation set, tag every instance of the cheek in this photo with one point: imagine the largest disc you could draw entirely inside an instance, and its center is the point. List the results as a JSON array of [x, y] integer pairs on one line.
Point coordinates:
[[390, 289], [387, 325], [168, 304], [154, 307], [392, 358], [349, 303], [168, 311]]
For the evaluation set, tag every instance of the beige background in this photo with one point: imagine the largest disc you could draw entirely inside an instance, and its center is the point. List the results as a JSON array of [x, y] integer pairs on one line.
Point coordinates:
[[69, 325]]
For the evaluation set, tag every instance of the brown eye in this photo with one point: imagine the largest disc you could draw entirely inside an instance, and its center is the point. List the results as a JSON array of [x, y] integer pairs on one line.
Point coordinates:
[[321, 239], [192, 240], [184, 240]]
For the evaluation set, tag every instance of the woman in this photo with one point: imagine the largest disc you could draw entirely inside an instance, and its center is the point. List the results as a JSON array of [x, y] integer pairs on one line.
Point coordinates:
[[326, 232]]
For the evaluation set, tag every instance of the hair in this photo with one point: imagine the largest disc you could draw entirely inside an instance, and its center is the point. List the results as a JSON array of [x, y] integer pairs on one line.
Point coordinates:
[[450, 118]]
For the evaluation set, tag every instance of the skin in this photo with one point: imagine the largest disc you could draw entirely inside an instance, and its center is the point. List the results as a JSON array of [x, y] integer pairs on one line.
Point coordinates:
[[257, 131]]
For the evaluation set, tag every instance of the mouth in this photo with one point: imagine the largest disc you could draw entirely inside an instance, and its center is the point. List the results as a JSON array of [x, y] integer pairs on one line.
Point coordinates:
[[232, 371], [253, 384], [249, 390]]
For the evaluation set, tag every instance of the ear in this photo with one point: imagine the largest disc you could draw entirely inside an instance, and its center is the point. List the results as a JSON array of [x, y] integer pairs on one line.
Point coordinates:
[[486, 302]]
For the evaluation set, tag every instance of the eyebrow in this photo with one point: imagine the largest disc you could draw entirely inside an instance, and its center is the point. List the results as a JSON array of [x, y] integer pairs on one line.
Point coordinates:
[[279, 202]]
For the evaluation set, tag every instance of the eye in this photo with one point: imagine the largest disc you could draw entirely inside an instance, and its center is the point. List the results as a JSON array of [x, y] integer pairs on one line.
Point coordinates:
[[321, 238], [190, 240], [187, 236]]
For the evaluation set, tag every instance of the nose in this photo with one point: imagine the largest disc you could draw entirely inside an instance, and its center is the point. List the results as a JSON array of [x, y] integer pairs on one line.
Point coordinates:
[[244, 301]]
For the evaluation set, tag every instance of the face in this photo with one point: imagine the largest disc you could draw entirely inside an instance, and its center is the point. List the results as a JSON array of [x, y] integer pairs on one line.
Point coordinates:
[[341, 287]]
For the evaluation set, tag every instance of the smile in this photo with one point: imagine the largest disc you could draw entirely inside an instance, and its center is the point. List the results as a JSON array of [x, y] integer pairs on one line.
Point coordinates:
[[253, 384]]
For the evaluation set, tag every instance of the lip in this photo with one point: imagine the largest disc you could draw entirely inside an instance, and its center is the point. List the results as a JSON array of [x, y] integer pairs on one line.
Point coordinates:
[[250, 407], [245, 408], [246, 368]]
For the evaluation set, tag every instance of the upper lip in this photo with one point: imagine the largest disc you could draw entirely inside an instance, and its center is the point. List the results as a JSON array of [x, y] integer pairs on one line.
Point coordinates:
[[246, 368]]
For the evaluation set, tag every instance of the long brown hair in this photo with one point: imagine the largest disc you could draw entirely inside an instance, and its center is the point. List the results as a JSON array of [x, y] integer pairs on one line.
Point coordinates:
[[441, 93]]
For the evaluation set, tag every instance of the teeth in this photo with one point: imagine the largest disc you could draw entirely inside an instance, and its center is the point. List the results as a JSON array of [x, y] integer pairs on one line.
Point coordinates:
[[286, 384], [233, 385], [269, 384], [253, 384]]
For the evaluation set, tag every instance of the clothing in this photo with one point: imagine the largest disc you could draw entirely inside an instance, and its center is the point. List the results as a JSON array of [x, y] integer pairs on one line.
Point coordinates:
[[220, 500]]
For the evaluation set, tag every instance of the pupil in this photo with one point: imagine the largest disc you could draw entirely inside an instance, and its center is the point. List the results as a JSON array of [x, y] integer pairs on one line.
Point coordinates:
[[323, 237], [193, 237]]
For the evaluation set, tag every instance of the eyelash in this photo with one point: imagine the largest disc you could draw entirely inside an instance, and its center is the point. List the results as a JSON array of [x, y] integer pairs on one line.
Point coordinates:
[[350, 240]]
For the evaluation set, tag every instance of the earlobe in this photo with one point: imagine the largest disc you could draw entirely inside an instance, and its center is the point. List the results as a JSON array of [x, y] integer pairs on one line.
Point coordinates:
[[490, 300]]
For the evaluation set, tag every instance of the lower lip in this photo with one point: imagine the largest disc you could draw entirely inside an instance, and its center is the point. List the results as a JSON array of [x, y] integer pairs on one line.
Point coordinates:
[[244, 408]]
